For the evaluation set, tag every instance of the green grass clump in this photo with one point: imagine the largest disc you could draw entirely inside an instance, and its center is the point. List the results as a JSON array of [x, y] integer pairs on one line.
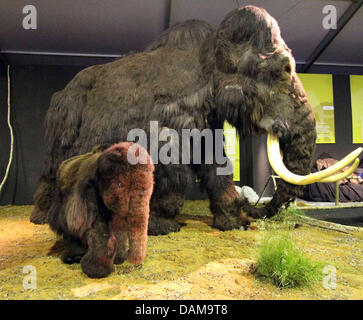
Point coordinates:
[[285, 264]]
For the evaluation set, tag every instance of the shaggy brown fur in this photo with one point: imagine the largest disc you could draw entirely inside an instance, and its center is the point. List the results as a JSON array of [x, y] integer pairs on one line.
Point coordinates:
[[102, 201], [191, 77]]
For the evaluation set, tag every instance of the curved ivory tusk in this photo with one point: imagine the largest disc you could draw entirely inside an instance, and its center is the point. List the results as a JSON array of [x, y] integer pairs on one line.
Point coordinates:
[[273, 151], [342, 175]]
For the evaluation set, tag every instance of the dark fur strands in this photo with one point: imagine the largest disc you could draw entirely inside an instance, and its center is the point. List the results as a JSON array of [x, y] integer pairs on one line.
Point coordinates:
[[255, 33], [101, 203], [243, 105], [43, 197], [253, 25], [190, 77]]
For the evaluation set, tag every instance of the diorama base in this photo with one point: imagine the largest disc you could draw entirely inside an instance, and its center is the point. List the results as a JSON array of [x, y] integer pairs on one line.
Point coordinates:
[[198, 262]]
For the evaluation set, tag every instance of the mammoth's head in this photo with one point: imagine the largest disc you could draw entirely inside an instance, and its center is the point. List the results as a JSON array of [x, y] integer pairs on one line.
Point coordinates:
[[254, 72], [257, 90], [120, 179]]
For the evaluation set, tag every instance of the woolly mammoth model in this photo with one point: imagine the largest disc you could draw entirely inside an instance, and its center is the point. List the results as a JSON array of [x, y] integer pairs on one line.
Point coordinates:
[[191, 77], [100, 202]]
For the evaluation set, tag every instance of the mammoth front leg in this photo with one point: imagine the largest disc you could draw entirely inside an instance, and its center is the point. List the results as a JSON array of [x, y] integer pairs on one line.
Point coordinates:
[[167, 199], [43, 199], [98, 261], [224, 199]]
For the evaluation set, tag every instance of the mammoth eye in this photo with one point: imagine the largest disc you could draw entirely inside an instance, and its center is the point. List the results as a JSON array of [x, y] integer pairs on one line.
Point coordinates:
[[120, 185]]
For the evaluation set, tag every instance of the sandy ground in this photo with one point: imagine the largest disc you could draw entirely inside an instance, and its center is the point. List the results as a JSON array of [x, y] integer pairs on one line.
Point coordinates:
[[198, 262]]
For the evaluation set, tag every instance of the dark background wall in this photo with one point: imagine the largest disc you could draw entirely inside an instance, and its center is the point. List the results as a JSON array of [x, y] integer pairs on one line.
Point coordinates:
[[32, 88]]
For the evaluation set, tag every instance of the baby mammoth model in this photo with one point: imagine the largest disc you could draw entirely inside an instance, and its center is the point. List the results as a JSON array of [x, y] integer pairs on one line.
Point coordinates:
[[101, 201]]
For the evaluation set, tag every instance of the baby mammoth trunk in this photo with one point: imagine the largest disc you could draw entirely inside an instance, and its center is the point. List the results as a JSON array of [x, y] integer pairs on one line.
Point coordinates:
[[138, 216], [132, 228]]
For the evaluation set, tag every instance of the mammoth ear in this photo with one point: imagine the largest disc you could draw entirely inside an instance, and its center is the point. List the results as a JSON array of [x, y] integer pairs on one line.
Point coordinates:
[[82, 206]]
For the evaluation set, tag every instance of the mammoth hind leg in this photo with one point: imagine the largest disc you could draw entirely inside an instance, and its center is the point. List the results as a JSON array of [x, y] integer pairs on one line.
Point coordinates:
[[73, 250], [43, 198]]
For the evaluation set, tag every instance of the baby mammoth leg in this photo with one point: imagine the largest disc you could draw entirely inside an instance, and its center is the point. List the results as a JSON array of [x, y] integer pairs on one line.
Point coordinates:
[[98, 261], [73, 249], [118, 226]]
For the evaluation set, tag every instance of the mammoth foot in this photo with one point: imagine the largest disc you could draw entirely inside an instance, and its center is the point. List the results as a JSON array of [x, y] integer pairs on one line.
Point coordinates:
[[254, 212], [162, 226], [95, 268], [98, 261], [72, 254], [224, 222]]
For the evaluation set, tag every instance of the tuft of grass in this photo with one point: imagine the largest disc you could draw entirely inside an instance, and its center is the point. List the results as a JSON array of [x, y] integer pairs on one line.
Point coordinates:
[[285, 264]]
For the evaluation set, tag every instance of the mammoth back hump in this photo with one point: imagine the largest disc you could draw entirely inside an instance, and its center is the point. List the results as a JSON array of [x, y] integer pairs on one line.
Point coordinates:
[[145, 79]]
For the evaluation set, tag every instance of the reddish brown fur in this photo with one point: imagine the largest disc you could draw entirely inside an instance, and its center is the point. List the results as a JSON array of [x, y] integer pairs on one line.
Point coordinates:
[[133, 214]]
